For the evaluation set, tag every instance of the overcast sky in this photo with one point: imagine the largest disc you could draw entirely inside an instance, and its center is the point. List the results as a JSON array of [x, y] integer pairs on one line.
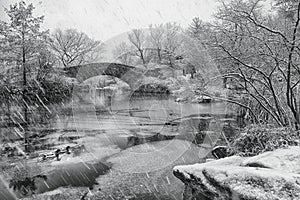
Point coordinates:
[[103, 19]]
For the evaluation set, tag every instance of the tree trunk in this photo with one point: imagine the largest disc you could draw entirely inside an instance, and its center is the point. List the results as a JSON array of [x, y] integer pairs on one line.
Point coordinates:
[[159, 55], [142, 56], [224, 82], [24, 96]]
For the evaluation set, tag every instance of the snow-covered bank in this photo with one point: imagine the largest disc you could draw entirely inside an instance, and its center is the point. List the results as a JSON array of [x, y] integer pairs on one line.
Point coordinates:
[[271, 175], [62, 193]]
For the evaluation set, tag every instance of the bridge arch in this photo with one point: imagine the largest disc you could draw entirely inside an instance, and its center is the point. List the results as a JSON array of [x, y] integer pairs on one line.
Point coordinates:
[[126, 73]]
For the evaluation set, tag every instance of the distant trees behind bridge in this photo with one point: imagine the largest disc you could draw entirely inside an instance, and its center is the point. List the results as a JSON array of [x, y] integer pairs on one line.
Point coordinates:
[[159, 43]]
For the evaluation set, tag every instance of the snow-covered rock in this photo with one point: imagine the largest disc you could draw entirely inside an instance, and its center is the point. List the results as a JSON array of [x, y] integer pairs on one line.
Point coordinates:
[[202, 99], [272, 175], [104, 81], [179, 100], [287, 160]]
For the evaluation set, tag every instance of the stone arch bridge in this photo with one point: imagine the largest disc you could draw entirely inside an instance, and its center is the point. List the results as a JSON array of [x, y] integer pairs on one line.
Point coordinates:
[[126, 73]]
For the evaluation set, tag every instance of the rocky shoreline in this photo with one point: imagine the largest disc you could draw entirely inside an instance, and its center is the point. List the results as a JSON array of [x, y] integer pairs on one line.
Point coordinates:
[[268, 176]]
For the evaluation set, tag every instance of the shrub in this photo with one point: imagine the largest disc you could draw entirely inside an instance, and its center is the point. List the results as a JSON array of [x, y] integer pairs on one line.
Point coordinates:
[[153, 88], [258, 139], [23, 178], [55, 89]]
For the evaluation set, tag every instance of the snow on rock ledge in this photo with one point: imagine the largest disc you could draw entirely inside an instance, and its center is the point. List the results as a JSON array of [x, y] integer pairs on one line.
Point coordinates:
[[271, 175], [287, 160]]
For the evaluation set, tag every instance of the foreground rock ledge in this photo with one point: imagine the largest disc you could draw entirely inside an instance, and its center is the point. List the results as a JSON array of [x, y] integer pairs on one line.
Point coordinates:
[[270, 176]]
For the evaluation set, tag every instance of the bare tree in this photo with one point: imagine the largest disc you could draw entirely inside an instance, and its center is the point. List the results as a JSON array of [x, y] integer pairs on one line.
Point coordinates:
[[138, 40], [74, 48], [157, 34], [171, 41], [263, 53], [123, 53]]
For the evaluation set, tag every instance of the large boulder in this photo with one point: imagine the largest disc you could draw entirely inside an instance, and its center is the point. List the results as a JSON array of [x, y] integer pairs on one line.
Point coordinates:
[[271, 175]]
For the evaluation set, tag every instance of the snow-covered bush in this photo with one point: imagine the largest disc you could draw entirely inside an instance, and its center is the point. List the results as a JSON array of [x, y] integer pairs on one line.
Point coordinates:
[[258, 139], [152, 88], [56, 89]]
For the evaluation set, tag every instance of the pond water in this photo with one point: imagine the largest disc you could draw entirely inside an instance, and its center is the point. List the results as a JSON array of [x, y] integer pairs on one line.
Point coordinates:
[[125, 121], [78, 174], [132, 120]]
